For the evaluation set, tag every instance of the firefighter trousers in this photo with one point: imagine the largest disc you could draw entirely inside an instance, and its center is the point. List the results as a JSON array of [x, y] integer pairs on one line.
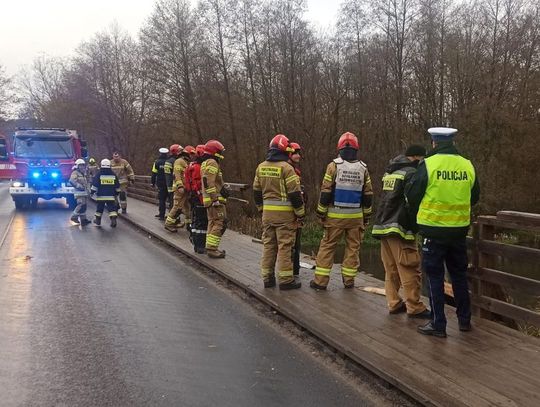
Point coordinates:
[[351, 259], [180, 205], [80, 209], [122, 196], [278, 242], [111, 207], [401, 262], [217, 224]]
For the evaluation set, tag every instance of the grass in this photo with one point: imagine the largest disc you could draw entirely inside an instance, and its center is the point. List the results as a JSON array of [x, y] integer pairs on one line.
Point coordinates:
[[312, 234]]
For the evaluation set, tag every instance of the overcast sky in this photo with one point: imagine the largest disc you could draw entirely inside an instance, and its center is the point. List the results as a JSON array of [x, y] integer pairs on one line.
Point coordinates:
[[29, 28]]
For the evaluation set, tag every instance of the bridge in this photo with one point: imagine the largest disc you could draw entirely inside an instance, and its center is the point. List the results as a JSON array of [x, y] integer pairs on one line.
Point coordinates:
[[480, 368], [492, 365]]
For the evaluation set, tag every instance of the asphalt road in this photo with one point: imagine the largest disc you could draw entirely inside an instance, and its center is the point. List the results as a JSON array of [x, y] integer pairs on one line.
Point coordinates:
[[103, 317]]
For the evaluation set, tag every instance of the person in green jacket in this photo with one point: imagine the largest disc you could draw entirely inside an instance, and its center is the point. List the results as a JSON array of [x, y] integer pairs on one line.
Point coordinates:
[[440, 196]]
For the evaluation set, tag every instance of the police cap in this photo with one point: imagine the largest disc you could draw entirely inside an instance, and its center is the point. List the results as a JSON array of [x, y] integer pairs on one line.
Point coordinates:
[[163, 150], [442, 133]]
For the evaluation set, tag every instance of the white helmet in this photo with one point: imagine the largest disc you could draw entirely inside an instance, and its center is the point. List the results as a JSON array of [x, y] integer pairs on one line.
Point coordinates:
[[79, 161], [105, 163]]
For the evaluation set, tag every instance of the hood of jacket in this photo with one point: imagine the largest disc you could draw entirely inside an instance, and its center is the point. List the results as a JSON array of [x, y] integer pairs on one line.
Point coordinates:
[[400, 162], [277, 155]]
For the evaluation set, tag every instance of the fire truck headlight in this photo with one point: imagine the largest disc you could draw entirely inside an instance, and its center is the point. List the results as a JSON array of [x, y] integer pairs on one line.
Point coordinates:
[[54, 174], [35, 174]]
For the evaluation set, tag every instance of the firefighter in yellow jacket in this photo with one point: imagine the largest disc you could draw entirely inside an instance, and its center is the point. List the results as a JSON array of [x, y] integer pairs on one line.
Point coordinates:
[[126, 176], [344, 207], [278, 196], [213, 192], [180, 197]]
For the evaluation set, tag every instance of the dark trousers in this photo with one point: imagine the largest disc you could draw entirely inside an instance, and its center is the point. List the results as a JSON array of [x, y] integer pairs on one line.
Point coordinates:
[[435, 254], [170, 200], [163, 196], [112, 207], [199, 224], [297, 248]]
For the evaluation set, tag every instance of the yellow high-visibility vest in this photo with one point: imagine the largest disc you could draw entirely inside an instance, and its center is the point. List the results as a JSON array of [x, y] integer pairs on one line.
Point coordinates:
[[447, 200]]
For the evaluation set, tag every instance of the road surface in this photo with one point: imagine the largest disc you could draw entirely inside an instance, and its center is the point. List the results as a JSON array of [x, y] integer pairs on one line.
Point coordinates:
[[104, 317]]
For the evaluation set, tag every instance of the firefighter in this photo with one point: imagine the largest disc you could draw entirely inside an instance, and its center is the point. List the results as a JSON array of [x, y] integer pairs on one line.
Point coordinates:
[[106, 187], [79, 181], [399, 251], [174, 153], [199, 219], [158, 179], [440, 196], [277, 194], [294, 159], [344, 208], [180, 198], [213, 199], [125, 175], [91, 170]]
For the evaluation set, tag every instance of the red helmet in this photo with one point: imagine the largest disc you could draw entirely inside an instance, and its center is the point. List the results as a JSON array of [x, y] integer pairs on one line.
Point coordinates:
[[295, 146], [189, 150], [199, 150], [348, 140], [281, 142], [214, 148], [175, 149]]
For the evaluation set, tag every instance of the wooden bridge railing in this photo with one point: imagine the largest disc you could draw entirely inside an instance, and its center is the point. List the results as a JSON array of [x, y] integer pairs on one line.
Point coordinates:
[[142, 189], [490, 286]]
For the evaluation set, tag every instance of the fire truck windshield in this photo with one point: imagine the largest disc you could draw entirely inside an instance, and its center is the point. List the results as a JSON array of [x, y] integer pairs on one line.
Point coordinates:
[[43, 147]]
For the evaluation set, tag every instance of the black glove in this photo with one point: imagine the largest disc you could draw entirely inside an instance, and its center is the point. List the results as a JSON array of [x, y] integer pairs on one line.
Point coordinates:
[[225, 193]]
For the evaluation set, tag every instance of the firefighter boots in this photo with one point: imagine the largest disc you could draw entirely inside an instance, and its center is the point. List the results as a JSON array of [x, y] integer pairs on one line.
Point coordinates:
[[293, 285], [113, 221]]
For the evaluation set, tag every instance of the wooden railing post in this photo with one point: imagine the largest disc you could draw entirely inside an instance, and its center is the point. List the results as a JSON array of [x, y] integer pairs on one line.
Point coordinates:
[[475, 282], [485, 232]]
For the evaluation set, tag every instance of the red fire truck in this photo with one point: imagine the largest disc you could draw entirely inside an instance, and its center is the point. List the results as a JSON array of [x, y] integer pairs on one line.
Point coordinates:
[[38, 163]]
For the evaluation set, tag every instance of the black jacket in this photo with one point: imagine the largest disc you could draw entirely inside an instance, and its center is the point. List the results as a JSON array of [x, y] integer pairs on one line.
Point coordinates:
[[158, 172], [415, 190], [105, 185], [392, 217]]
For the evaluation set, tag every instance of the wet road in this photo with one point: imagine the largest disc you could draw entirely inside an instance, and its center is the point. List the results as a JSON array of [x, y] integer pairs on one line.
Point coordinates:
[[101, 317]]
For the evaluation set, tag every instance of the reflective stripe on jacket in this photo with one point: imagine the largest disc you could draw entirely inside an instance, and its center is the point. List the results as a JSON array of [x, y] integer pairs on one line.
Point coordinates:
[[212, 182], [277, 189], [392, 217]]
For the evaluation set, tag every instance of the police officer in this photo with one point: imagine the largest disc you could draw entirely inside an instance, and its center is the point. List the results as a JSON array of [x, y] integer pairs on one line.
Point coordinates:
[[440, 194], [174, 153], [125, 175], [80, 183], [399, 251], [213, 199], [106, 186], [277, 194], [344, 208], [193, 185], [180, 198], [158, 179]]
